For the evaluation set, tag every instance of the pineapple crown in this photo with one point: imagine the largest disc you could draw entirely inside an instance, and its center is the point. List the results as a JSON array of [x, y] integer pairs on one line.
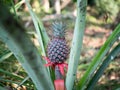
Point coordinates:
[[59, 29]]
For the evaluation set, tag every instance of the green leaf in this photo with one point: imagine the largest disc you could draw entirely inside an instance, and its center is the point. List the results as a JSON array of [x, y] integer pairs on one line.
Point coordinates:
[[14, 8], [10, 74], [25, 79], [5, 80], [103, 66], [5, 56], [1, 88], [42, 35], [98, 58], [13, 76], [18, 5], [76, 43], [117, 89], [13, 34]]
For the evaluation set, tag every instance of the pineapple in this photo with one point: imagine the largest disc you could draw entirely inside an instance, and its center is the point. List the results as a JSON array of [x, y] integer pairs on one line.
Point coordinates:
[[57, 50]]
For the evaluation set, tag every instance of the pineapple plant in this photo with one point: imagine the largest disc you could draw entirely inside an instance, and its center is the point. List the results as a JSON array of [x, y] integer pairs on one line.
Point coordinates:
[[57, 50]]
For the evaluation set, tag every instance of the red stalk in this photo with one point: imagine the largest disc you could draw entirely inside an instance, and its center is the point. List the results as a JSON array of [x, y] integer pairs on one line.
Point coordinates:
[[59, 84]]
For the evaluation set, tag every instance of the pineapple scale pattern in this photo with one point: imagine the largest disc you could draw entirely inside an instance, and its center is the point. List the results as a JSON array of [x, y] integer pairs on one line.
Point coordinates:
[[57, 50]]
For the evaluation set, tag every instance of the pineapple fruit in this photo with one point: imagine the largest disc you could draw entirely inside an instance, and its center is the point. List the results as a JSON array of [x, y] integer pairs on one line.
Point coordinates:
[[57, 50]]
